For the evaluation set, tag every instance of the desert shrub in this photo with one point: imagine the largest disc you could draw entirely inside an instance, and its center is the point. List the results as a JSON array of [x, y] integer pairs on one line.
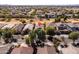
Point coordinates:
[[50, 30], [58, 19], [23, 21], [74, 36]]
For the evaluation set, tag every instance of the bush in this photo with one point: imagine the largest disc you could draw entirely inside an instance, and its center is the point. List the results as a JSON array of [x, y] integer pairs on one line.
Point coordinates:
[[32, 36], [13, 31], [27, 40], [74, 36], [58, 19], [8, 20], [7, 35], [50, 30], [23, 21], [3, 19]]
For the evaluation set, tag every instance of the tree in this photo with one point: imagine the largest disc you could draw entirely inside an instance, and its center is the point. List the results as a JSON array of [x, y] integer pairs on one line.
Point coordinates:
[[50, 30], [74, 36], [58, 19], [65, 18], [32, 41]]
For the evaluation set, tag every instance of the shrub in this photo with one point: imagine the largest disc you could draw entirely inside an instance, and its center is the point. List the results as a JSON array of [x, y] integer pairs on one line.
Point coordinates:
[[32, 36], [3, 19], [8, 20], [58, 19], [50, 30], [74, 36], [27, 40], [7, 35], [23, 21]]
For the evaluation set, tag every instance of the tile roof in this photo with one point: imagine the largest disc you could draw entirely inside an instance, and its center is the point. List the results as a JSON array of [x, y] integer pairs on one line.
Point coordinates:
[[22, 50], [46, 50]]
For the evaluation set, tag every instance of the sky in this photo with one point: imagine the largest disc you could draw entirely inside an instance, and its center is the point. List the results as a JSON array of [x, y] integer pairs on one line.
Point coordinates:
[[39, 2]]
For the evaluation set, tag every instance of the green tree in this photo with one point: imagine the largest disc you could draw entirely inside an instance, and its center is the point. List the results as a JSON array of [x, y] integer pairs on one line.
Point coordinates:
[[74, 36], [65, 18], [50, 30], [58, 19]]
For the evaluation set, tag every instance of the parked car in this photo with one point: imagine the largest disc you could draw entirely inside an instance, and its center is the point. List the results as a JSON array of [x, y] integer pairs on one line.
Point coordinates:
[[64, 29]]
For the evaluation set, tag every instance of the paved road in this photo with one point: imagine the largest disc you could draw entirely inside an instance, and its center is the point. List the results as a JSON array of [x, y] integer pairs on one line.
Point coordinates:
[[70, 50]]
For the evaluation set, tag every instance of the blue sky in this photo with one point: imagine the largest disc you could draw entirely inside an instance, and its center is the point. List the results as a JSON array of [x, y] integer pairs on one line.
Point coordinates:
[[39, 2]]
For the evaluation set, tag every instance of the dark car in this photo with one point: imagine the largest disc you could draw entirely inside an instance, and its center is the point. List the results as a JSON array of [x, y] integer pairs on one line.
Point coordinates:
[[64, 29], [75, 28]]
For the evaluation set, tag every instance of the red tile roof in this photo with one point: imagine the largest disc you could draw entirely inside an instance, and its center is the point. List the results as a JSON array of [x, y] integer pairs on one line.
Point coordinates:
[[22, 50], [46, 50]]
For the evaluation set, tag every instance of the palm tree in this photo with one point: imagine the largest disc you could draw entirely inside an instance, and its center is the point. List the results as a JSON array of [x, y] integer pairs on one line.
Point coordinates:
[[32, 41]]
